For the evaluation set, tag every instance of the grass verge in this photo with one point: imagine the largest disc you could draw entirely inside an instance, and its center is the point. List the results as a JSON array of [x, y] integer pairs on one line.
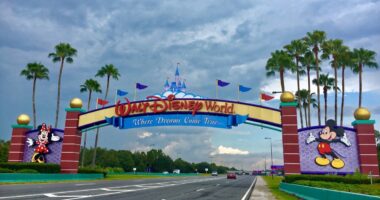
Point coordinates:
[[356, 188], [274, 187]]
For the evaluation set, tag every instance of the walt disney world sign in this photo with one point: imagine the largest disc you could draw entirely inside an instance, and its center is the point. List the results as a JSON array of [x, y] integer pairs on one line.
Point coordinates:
[[157, 111]]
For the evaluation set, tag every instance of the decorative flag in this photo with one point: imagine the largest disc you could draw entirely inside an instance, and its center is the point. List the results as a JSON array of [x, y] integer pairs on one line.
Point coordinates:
[[265, 97], [121, 93], [102, 102], [140, 86], [244, 89], [222, 83]]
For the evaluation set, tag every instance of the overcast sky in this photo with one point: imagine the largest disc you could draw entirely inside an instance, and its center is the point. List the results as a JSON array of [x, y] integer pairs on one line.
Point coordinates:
[[228, 40]]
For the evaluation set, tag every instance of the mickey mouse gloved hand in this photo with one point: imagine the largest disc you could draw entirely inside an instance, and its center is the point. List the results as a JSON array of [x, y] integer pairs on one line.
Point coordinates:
[[30, 142], [310, 139], [345, 140]]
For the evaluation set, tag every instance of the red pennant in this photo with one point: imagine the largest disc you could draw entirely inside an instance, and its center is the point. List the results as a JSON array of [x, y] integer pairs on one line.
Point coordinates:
[[265, 97], [102, 102]]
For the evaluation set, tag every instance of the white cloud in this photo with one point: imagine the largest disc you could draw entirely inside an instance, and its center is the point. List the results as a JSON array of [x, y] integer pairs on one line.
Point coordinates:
[[144, 135], [228, 150]]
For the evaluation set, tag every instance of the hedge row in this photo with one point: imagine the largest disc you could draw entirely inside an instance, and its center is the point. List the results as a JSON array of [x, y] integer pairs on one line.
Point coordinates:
[[331, 178], [39, 167], [89, 170]]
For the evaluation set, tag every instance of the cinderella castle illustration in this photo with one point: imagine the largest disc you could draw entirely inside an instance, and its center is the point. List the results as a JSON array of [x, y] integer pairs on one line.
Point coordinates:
[[177, 85]]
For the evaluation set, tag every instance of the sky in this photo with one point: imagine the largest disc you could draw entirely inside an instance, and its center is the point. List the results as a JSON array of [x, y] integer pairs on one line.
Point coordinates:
[[227, 40]]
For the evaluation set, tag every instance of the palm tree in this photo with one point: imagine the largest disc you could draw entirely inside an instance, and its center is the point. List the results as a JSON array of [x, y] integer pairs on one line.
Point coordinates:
[[109, 71], [89, 86], [333, 48], [296, 49], [311, 101], [279, 62], [34, 71], [327, 83], [63, 53], [344, 60], [314, 40], [302, 97], [363, 57], [308, 62]]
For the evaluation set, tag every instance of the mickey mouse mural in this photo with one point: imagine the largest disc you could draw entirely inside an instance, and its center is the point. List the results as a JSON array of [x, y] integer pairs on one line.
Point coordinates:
[[329, 134], [45, 136]]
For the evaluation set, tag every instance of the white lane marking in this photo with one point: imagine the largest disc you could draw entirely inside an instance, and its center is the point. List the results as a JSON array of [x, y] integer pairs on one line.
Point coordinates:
[[75, 196], [249, 189], [157, 185], [84, 184], [200, 189]]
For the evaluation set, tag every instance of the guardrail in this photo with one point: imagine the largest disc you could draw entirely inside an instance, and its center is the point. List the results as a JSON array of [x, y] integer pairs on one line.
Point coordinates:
[[26, 177], [307, 192]]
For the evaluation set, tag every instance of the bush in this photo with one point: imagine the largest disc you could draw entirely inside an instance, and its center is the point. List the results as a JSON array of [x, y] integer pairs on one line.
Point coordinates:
[[32, 171], [349, 179], [39, 167], [114, 170], [91, 170], [5, 170]]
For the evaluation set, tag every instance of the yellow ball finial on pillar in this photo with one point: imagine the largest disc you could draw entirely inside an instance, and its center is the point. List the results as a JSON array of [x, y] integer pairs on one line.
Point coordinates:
[[23, 119], [287, 97], [76, 103], [362, 114]]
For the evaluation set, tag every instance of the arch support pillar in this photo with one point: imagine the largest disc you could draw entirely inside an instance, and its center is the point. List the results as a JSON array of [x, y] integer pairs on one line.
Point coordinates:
[[18, 140], [288, 109], [71, 142], [365, 135]]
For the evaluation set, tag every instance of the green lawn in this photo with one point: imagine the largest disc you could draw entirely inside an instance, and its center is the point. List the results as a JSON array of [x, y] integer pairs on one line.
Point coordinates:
[[356, 188], [274, 184]]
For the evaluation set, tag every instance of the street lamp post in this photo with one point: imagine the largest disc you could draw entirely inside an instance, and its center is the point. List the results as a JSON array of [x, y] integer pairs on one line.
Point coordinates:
[[271, 154]]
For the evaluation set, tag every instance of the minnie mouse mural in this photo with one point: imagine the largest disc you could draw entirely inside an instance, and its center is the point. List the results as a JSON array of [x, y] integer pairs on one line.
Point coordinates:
[[329, 134], [45, 136]]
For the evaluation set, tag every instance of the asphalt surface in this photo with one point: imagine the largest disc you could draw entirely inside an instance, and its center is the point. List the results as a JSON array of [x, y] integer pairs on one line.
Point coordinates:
[[143, 189]]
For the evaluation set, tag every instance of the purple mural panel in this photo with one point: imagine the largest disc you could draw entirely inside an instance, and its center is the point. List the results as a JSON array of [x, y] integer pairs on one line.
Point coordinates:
[[309, 152], [55, 148]]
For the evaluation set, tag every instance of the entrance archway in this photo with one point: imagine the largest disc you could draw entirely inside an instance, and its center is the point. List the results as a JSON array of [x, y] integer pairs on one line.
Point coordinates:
[[211, 113]]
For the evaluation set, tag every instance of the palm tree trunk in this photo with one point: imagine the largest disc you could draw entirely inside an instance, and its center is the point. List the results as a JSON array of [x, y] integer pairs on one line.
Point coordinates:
[[298, 89], [59, 92], [34, 102], [360, 85], [304, 108], [282, 80], [309, 95], [318, 92], [336, 90], [85, 133], [342, 103], [93, 163], [325, 96]]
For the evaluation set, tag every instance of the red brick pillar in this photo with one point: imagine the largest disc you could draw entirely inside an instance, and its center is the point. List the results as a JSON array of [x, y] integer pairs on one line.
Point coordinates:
[[71, 139], [18, 140], [365, 135], [290, 134]]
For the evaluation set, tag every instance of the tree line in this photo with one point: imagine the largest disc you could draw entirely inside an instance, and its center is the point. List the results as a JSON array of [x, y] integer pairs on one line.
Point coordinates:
[[154, 160], [304, 56]]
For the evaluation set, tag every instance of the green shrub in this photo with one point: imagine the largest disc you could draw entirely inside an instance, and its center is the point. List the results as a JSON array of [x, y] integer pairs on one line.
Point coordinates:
[[31, 171], [5, 170], [91, 170], [114, 170], [349, 179], [39, 167]]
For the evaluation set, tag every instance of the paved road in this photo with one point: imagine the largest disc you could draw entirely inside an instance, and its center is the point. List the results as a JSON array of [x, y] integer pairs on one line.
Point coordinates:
[[143, 189]]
